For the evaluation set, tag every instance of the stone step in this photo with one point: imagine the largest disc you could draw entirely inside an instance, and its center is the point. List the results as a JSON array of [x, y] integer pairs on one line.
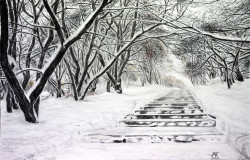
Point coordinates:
[[171, 107], [167, 116], [98, 138], [174, 103], [168, 123], [179, 94], [175, 99], [163, 131], [169, 111], [158, 135]]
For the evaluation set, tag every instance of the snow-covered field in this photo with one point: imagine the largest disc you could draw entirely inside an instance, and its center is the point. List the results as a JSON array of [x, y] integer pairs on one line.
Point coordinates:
[[63, 122]]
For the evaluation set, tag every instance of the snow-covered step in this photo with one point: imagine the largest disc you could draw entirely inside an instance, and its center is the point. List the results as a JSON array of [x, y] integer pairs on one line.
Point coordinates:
[[174, 103], [169, 111], [178, 109], [98, 138], [167, 123], [163, 131], [167, 116], [158, 135], [171, 107], [189, 98], [175, 98]]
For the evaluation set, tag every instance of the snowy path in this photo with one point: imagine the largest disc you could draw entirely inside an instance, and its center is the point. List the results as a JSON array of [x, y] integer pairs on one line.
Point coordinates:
[[175, 117], [63, 122]]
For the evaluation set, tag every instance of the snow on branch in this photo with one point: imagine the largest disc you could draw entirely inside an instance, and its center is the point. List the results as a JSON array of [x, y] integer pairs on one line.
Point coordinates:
[[85, 25], [181, 25], [112, 61], [55, 21], [59, 53], [29, 69], [217, 36]]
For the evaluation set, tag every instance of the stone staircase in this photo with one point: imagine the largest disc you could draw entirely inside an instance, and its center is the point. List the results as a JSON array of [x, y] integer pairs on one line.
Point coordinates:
[[177, 109], [176, 117]]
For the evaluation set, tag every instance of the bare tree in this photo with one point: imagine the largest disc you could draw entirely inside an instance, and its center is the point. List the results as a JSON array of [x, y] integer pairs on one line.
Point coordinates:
[[28, 102]]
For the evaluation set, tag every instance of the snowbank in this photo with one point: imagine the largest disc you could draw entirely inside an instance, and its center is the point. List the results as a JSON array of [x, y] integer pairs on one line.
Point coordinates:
[[232, 106]]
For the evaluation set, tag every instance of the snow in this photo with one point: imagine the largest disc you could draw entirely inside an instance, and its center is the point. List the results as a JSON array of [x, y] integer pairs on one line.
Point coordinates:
[[144, 151], [64, 122], [233, 107]]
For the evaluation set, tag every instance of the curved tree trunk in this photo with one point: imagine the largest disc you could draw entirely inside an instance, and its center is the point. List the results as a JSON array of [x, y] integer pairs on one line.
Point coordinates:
[[10, 76]]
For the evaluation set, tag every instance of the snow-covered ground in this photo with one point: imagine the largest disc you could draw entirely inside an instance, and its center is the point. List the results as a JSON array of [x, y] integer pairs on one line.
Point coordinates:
[[63, 122], [232, 106]]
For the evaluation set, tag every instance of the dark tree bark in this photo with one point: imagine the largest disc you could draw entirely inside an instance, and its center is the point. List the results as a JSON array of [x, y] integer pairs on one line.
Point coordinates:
[[10, 76], [14, 102], [93, 87], [9, 102], [227, 76], [36, 106], [59, 87], [239, 76], [108, 86], [118, 86]]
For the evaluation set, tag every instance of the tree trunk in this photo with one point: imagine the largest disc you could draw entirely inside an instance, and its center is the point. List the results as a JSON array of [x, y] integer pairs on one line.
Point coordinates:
[[14, 102], [10, 76], [227, 78], [9, 102], [230, 81], [150, 77], [142, 82], [108, 86], [59, 89], [233, 79], [36, 106], [118, 87], [93, 87], [239, 75]]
